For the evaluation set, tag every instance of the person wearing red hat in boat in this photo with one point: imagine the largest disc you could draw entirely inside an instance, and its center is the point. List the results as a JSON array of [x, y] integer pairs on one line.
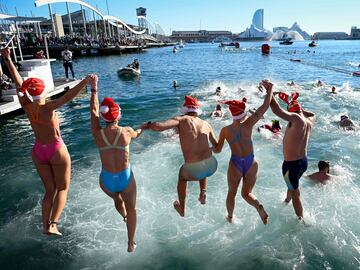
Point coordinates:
[[295, 144], [242, 164], [195, 135], [49, 154], [116, 177]]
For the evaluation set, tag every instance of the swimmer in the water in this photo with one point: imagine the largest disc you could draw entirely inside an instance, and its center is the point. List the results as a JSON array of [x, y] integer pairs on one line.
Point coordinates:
[[323, 174], [218, 112], [275, 127], [346, 123]]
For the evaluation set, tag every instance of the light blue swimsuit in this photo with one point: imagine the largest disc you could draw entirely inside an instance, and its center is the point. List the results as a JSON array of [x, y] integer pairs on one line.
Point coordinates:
[[115, 182]]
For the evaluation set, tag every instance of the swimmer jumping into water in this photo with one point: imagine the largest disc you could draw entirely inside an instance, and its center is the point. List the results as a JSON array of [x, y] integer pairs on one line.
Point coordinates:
[[49, 154], [243, 164], [116, 178], [195, 135], [295, 143]]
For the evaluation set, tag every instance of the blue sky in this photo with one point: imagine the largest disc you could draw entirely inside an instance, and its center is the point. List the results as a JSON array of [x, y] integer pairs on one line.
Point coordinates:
[[234, 15]]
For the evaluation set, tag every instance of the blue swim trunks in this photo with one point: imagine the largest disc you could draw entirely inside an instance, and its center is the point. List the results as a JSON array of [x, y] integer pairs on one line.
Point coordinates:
[[202, 169], [116, 182], [293, 170]]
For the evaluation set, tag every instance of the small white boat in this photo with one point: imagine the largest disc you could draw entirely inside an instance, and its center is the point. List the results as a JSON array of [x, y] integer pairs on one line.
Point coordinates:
[[129, 71]]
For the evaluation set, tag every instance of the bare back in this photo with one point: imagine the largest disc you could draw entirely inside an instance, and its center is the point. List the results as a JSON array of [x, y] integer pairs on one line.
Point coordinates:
[[44, 122], [238, 135], [114, 160], [194, 138], [296, 138]]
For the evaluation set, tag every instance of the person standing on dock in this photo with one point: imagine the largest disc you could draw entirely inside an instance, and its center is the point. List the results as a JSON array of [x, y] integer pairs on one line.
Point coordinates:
[[195, 135], [295, 143], [49, 154], [67, 62]]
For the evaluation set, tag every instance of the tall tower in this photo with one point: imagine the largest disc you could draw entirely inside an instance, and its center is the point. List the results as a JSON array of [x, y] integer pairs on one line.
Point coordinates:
[[141, 14], [258, 19]]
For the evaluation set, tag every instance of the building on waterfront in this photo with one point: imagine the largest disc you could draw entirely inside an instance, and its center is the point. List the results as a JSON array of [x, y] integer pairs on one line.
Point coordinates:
[[330, 35], [200, 36], [141, 15], [294, 32], [256, 31], [355, 33]]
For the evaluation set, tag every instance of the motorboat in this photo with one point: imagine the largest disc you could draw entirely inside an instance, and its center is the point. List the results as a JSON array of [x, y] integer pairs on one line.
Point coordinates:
[[287, 41], [129, 72], [313, 44]]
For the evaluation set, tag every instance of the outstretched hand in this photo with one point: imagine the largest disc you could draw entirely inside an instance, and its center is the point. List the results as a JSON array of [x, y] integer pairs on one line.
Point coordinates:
[[92, 79], [267, 85], [144, 126], [5, 52]]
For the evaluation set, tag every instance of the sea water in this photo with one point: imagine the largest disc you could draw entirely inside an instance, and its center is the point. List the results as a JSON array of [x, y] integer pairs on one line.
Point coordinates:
[[94, 236]]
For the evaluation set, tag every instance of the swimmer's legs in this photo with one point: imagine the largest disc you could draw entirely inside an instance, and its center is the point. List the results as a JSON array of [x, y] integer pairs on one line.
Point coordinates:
[[246, 192], [296, 201], [181, 189], [234, 178], [288, 197], [129, 196], [203, 186]]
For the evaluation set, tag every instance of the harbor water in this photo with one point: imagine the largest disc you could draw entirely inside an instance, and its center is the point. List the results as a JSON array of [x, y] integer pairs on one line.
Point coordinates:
[[94, 236]]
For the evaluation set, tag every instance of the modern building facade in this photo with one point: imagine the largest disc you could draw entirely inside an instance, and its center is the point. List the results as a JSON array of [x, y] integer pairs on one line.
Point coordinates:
[[199, 36], [256, 31], [355, 33], [330, 35]]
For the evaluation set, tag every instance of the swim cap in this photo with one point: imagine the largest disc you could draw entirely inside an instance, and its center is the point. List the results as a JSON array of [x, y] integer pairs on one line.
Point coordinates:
[[343, 117], [109, 110], [190, 105], [236, 107], [34, 86], [293, 105]]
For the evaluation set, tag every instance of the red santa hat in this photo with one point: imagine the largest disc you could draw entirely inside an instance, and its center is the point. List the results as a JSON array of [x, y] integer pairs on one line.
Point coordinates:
[[34, 86], [293, 105], [109, 110], [190, 105], [236, 107]]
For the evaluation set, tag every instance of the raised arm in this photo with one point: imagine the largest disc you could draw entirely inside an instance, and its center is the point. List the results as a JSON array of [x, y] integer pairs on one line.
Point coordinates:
[[256, 116], [68, 96], [217, 148], [277, 110], [161, 126], [5, 52], [94, 105], [309, 115]]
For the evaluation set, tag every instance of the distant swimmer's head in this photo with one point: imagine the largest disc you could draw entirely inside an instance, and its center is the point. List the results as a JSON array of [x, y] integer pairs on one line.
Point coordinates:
[[293, 105], [275, 124], [109, 110], [191, 105], [35, 88], [324, 166], [237, 108], [344, 117], [218, 107], [333, 89]]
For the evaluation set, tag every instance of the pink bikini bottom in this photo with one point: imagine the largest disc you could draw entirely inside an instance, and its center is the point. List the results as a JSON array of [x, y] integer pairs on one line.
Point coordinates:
[[45, 152]]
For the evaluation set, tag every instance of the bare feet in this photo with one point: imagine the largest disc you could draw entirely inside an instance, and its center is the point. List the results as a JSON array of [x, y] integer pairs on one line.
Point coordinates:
[[287, 200], [177, 207], [202, 197], [263, 215], [131, 246], [229, 219], [53, 230]]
